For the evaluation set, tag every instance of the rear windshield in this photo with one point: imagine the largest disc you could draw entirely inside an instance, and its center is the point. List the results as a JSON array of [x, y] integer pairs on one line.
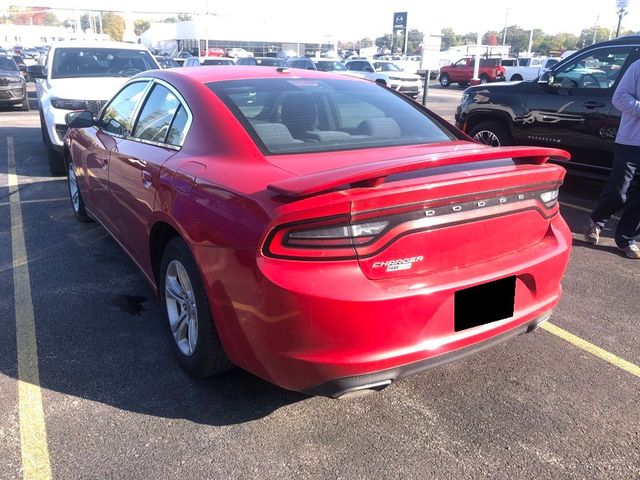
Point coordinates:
[[100, 62], [318, 115]]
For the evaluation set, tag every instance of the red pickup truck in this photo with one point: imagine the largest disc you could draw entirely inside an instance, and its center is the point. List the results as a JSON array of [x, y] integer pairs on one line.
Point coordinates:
[[461, 72]]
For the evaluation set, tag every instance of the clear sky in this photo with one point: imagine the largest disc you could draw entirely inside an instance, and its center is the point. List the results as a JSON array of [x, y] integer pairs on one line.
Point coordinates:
[[355, 19]]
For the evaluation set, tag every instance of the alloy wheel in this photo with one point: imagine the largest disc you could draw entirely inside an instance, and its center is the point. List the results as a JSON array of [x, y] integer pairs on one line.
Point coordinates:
[[488, 138], [74, 192], [181, 308]]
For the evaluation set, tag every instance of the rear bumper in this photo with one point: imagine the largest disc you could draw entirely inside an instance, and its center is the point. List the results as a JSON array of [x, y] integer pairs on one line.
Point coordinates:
[[326, 328], [375, 381]]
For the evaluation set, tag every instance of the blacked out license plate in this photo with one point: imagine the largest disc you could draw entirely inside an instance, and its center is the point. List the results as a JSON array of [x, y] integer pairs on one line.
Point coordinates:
[[484, 303]]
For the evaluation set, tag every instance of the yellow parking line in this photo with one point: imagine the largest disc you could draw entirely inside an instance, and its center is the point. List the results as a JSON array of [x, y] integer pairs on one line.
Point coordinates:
[[36, 200], [592, 349], [33, 435]]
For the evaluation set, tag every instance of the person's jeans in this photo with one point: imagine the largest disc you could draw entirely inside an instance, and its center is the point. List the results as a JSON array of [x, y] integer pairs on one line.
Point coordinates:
[[626, 161]]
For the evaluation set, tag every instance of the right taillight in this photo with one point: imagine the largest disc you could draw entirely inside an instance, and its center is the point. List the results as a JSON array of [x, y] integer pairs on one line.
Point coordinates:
[[324, 238]]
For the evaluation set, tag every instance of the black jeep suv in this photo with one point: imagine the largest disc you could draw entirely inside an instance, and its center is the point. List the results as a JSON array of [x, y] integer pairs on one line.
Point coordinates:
[[567, 107]]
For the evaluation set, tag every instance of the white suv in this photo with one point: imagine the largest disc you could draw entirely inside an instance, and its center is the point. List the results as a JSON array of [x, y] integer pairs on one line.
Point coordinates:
[[81, 76]]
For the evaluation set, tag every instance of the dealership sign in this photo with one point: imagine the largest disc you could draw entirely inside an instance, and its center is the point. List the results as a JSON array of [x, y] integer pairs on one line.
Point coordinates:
[[622, 4], [400, 20]]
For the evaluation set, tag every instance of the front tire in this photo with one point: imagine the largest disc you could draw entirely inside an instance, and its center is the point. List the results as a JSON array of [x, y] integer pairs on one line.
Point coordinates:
[[186, 313], [445, 80], [484, 79], [493, 134]]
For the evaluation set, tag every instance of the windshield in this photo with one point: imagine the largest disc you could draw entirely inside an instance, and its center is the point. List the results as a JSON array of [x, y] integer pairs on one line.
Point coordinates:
[[7, 63], [317, 115], [100, 62], [331, 66], [386, 67]]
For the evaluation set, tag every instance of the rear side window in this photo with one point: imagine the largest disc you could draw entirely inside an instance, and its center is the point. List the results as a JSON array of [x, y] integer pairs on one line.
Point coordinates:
[[156, 115], [317, 115], [117, 117], [178, 128]]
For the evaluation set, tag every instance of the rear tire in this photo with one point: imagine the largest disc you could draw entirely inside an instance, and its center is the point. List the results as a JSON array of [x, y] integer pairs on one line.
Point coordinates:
[[516, 78], [187, 313], [491, 133], [445, 80]]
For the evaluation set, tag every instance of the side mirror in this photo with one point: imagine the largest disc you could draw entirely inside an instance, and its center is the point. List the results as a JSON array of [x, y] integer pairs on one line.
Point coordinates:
[[22, 68], [80, 119], [547, 77], [37, 71]]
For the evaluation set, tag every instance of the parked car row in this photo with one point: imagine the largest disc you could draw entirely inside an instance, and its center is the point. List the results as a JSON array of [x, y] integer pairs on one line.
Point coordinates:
[[384, 72], [13, 85]]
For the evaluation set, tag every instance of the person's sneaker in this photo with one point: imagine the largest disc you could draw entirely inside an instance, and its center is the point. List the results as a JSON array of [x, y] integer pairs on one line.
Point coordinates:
[[631, 251], [592, 233]]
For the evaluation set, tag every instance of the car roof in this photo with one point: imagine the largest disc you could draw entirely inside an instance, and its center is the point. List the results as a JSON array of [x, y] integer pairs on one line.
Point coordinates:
[[98, 44], [235, 72]]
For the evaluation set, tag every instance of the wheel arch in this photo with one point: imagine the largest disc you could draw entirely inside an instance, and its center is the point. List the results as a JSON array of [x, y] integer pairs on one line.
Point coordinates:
[[479, 118], [160, 235]]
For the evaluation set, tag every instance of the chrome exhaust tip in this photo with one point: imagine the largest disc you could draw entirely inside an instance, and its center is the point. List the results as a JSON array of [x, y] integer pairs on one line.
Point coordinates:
[[362, 390]]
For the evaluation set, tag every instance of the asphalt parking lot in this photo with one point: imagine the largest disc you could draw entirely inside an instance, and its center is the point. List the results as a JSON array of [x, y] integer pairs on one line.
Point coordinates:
[[114, 403]]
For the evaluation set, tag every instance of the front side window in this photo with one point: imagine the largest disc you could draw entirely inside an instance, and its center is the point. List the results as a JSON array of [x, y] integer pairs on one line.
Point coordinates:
[[117, 117], [313, 115], [595, 69], [100, 62], [156, 115]]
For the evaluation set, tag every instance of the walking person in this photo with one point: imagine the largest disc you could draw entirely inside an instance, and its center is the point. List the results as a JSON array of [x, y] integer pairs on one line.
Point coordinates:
[[626, 161]]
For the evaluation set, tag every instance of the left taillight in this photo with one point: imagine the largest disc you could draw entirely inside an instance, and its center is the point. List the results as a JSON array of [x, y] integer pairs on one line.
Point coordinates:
[[333, 238]]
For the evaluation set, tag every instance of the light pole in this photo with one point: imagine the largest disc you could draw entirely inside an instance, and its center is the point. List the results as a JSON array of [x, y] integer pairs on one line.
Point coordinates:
[[621, 13]]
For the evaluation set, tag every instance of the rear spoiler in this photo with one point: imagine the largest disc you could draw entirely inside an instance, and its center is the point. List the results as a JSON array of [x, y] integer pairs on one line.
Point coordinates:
[[374, 173]]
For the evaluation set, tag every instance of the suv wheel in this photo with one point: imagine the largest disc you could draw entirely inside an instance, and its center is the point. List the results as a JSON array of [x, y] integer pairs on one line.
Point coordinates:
[[75, 195], [483, 79], [25, 105], [516, 78], [490, 133], [445, 80]]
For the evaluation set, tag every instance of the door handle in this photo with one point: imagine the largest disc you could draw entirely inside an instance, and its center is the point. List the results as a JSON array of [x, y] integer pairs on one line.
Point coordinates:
[[593, 104]]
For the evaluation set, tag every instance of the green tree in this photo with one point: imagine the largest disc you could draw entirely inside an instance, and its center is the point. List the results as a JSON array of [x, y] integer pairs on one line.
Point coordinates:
[[51, 20], [365, 42], [414, 39], [449, 38], [85, 22], [113, 25], [490, 38], [384, 41], [140, 26]]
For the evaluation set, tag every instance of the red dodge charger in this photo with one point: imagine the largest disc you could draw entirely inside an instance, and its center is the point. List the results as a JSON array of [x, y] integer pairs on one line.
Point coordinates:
[[322, 232]]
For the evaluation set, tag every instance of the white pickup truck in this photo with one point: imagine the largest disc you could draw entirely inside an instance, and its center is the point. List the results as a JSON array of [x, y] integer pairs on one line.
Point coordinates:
[[529, 68]]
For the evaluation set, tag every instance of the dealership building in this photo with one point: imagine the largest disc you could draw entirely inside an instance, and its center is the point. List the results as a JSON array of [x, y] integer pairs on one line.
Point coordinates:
[[253, 35]]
